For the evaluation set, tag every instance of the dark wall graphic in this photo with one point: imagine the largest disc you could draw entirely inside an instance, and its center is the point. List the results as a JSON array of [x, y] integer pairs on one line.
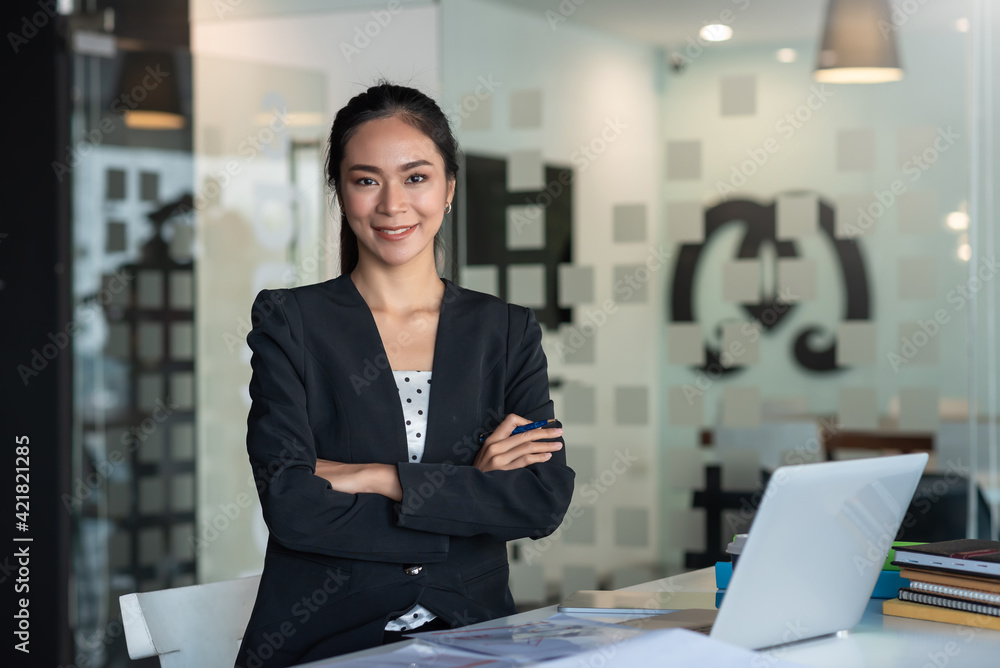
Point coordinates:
[[759, 220], [487, 199]]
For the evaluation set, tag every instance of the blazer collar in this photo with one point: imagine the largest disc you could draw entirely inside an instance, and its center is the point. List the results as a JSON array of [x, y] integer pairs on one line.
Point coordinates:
[[455, 325]]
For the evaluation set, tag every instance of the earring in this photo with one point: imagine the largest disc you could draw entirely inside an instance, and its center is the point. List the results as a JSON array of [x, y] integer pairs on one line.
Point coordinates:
[[447, 207]]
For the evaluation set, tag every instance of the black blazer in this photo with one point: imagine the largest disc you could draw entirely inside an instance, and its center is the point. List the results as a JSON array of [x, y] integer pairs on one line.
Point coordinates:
[[339, 565]]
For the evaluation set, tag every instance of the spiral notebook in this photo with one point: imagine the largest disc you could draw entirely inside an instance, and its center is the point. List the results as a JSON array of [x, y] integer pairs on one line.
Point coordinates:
[[933, 613], [960, 592], [948, 602]]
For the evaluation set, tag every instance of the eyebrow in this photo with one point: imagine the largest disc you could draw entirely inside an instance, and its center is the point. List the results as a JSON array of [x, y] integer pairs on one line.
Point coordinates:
[[376, 170]]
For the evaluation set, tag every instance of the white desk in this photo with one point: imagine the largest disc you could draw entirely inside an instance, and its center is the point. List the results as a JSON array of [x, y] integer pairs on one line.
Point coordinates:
[[877, 642]]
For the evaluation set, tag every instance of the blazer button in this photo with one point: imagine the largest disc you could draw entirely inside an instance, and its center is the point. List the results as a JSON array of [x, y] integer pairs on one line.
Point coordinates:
[[412, 570]]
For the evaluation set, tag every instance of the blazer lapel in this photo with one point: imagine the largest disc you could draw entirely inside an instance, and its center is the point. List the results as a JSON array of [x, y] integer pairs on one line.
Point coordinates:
[[453, 398], [447, 386]]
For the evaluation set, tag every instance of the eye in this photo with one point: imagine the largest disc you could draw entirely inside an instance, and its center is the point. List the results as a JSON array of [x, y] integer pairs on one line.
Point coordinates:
[[366, 181], [417, 178]]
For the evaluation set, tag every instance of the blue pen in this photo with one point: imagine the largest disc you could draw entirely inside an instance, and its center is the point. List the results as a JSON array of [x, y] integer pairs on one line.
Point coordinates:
[[521, 429]]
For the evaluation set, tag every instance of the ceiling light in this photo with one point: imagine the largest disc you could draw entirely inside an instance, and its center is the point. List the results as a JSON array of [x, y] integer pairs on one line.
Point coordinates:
[[787, 55], [857, 45], [957, 220], [148, 94], [716, 32], [964, 249]]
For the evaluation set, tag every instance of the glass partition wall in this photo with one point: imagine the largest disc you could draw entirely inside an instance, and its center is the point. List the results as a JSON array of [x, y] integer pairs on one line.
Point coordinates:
[[133, 477], [736, 266]]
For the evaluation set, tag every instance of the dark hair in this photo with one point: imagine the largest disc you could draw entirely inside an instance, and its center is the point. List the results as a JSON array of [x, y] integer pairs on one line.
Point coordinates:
[[385, 100]]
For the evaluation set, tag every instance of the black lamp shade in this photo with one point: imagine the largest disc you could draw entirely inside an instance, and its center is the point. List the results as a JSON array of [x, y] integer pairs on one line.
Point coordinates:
[[859, 43], [148, 93]]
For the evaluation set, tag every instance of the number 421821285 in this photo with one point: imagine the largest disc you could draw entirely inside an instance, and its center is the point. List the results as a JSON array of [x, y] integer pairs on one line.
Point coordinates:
[[21, 487]]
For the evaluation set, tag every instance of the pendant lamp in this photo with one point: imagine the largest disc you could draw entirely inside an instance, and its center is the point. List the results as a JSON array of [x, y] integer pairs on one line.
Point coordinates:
[[859, 43], [148, 93]]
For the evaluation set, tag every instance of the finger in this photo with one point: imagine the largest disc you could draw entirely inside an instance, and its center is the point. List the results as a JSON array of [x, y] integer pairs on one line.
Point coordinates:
[[518, 420], [528, 460], [506, 426], [530, 448], [507, 445], [535, 435], [503, 430]]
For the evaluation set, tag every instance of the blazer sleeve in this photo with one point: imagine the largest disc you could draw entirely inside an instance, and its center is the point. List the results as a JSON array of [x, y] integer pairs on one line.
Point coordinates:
[[302, 510], [507, 505]]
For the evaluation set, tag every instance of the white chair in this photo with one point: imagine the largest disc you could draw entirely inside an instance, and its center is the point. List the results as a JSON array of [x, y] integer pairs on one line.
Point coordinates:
[[197, 626]]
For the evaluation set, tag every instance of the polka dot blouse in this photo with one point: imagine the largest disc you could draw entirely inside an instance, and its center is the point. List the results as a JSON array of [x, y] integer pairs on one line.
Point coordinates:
[[414, 394]]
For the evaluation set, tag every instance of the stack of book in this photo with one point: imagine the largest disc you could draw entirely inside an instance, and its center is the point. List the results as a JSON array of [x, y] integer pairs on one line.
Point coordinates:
[[955, 581]]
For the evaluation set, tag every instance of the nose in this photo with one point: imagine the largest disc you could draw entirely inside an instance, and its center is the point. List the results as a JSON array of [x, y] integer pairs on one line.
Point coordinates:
[[393, 199]]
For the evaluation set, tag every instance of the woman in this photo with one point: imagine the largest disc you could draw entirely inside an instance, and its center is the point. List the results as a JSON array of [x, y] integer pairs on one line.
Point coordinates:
[[385, 514]]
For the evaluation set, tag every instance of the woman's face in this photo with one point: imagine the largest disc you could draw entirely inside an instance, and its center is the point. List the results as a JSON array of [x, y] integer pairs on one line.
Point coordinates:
[[394, 190]]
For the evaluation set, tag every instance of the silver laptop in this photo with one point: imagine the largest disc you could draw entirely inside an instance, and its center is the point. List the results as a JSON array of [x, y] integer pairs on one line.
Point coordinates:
[[815, 549]]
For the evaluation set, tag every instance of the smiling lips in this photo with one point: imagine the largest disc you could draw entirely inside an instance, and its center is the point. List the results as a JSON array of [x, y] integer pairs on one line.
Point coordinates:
[[394, 233]]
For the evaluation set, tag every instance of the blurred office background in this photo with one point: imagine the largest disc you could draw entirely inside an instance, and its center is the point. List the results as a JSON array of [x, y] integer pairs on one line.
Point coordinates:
[[739, 262]]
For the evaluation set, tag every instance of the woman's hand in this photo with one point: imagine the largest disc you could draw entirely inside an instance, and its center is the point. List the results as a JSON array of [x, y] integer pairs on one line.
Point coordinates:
[[361, 478], [503, 452]]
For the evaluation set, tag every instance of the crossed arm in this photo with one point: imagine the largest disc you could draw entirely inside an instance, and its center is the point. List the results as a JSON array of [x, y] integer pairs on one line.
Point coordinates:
[[516, 487], [500, 452]]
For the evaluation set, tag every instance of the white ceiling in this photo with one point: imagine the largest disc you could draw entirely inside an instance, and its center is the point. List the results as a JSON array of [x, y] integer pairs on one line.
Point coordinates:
[[670, 23], [666, 23]]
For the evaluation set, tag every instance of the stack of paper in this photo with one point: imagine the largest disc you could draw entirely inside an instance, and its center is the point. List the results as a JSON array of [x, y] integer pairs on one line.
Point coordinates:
[[563, 641]]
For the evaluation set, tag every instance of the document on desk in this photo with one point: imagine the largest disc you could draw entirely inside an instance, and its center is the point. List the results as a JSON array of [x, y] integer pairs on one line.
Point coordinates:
[[558, 636], [672, 648], [497, 648], [419, 653]]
